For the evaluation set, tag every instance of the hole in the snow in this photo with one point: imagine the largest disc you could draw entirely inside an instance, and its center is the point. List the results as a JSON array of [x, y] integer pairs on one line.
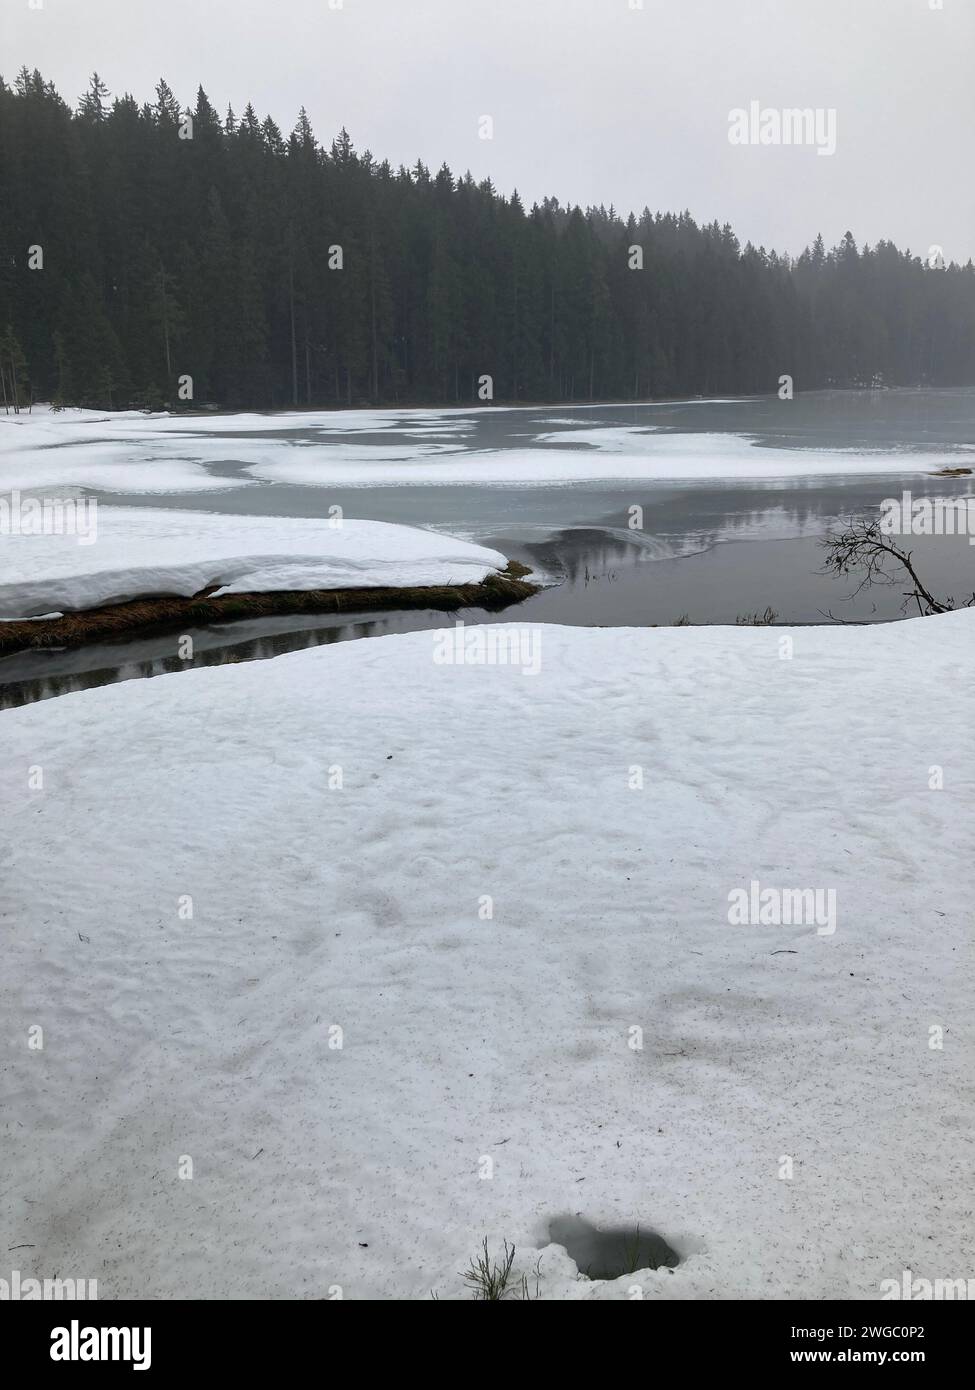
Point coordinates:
[[606, 1254]]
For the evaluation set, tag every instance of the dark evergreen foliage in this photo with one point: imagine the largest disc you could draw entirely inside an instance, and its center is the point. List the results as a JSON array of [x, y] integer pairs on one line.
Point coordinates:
[[215, 257]]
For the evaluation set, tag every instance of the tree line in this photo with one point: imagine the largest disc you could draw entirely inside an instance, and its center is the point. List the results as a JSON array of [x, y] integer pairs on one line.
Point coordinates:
[[157, 254]]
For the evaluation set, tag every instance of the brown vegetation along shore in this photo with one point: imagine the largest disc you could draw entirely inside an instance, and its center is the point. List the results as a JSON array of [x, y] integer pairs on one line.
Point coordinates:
[[138, 616]]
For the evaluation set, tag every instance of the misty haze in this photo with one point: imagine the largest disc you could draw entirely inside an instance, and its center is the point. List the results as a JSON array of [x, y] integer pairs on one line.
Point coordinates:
[[486, 615]]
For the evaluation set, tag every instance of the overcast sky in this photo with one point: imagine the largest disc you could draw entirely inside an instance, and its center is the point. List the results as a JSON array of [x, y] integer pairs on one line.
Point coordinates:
[[592, 100]]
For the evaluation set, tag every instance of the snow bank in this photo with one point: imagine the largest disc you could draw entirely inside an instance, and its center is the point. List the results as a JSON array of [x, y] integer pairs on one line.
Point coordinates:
[[144, 551], [370, 1073]]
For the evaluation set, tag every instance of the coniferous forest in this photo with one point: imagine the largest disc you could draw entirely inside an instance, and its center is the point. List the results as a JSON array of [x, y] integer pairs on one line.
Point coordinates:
[[139, 248]]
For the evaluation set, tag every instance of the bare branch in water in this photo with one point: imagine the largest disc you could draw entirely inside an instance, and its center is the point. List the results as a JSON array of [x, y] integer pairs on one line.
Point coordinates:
[[863, 549]]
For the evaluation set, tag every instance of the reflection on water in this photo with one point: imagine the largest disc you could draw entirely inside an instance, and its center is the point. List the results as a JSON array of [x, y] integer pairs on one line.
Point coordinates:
[[596, 578], [707, 551], [30, 676]]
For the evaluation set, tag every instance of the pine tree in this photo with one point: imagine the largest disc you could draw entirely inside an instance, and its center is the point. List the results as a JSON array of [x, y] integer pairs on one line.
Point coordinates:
[[13, 377], [92, 106]]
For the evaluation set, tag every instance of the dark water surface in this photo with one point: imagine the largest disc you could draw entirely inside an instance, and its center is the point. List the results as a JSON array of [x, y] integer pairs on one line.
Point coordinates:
[[709, 551], [609, 1252]]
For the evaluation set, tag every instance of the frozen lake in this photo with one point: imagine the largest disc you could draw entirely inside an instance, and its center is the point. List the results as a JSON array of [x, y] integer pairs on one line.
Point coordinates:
[[716, 513]]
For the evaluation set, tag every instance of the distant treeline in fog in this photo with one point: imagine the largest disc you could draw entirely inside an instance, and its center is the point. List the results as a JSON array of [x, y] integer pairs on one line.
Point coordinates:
[[272, 271]]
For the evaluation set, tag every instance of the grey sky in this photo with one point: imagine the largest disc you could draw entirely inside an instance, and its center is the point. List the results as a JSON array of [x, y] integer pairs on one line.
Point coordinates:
[[592, 101]]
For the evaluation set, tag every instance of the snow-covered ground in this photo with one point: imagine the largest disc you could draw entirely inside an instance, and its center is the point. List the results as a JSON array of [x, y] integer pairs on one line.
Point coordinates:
[[138, 552], [604, 1041], [133, 452]]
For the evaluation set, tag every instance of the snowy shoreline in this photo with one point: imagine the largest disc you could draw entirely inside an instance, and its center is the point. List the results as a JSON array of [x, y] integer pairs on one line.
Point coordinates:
[[148, 616], [338, 1037], [139, 552], [136, 569]]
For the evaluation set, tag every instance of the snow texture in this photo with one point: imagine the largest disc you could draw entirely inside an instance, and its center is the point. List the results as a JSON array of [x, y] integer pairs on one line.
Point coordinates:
[[140, 552], [134, 452], [510, 1037]]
